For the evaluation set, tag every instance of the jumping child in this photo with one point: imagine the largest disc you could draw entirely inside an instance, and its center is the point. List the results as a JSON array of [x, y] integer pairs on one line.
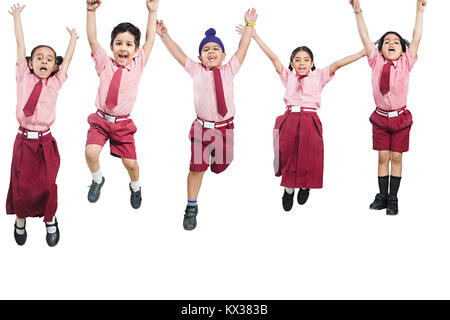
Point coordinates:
[[211, 134], [298, 143], [391, 59], [119, 81], [35, 162]]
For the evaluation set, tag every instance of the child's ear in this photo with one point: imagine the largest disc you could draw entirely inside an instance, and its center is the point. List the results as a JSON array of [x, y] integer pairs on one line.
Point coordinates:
[[200, 58], [30, 64], [292, 65]]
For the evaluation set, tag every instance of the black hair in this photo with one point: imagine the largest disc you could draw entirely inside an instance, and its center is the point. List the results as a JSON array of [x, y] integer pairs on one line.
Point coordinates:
[[403, 42], [58, 59], [307, 50], [124, 27]]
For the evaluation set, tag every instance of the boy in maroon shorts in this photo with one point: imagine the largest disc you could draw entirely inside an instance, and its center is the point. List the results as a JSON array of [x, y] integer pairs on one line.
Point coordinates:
[[119, 78], [211, 133]]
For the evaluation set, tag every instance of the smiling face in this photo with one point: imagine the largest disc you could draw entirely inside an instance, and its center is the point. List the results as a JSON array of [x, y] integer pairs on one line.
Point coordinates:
[[302, 63], [43, 62], [212, 55], [392, 47], [124, 48]]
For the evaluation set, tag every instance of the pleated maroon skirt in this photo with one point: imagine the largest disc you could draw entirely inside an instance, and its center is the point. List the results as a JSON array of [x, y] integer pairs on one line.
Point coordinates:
[[298, 147], [32, 189]]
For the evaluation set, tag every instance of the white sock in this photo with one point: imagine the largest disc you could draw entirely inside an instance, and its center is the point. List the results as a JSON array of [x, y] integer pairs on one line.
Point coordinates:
[[20, 224], [97, 176], [51, 229], [289, 190], [135, 185]]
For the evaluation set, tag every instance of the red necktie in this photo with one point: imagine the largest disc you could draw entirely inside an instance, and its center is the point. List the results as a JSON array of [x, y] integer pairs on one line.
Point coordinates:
[[221, 105], [385, 77], [31, 104], [113, 92]]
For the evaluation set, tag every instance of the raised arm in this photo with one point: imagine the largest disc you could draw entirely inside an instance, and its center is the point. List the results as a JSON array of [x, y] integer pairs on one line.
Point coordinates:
[[173, 48], [418, 28], [91, 24], [345, 61], [269, 53], [15, 12], [152, 6], [250, 20], [362, 29], [70, 50]]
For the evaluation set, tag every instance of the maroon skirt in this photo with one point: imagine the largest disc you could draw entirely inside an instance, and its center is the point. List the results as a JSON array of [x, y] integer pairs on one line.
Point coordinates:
[[32, 189], [298, 147]]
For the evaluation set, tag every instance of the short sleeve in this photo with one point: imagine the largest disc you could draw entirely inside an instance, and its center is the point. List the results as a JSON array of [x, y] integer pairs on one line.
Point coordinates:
[[190, 66], [140, 59], [59, 78], [284, 75], [374, 56], [410, 61], [324, 76], [234, 65], [100, 59], [22, 70]]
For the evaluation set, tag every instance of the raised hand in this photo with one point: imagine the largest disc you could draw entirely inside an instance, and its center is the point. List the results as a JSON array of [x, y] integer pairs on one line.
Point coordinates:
[[152, 5], [73, 33], [16, 9], [251, 15], [240, 30], [355, 4], [93, 5], [160, 28], [421, 4]]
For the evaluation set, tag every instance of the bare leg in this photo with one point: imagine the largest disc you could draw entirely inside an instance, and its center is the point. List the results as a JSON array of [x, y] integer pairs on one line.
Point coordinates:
[[92, 153], [194, 182], [132, 167], [396, 164], [383, 163]]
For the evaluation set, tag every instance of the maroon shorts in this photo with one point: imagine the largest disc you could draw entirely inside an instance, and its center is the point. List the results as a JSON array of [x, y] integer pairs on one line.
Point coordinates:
[[120, 135], [213, 146], [32, 189], [298, 147], [391, 133]]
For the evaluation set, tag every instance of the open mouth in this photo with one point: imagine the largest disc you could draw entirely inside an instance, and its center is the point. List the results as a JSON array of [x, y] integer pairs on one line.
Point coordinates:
[[391, 50], [212, 59], [123, 57], [302, 69], [43, 70]]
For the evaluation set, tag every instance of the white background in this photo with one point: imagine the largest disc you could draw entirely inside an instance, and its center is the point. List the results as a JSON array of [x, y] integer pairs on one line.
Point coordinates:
[[245, 245]]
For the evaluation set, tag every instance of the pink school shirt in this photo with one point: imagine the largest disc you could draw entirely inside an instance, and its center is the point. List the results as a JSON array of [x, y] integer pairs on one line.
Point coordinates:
[[129, 83], [204, 89], [399, 80], [45, 112], [307, 91]]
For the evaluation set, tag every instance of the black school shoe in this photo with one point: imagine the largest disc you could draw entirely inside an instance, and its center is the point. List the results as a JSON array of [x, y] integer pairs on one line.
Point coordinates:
[[190, 218], [20, 238], [380, 202], [392, 205], [288, 200], [52, 238], [135, 198], [302, 196], [94, 190]]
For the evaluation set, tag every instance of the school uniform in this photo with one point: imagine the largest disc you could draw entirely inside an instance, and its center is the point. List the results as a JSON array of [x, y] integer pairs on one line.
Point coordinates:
[[211, 134], [114, 122], [35, 162], [298, 142], [391, 121]]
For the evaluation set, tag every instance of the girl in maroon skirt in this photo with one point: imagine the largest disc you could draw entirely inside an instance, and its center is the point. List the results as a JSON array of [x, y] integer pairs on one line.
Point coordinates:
[[391, 59], [35, 163], [298, 143]]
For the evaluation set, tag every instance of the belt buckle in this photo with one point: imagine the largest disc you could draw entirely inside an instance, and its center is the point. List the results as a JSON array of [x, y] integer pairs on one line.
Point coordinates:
[[296, 109], [209, 125], [110, 118], [392, 114], [32, 135]]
